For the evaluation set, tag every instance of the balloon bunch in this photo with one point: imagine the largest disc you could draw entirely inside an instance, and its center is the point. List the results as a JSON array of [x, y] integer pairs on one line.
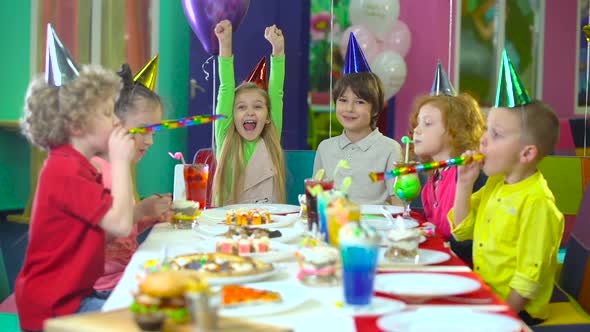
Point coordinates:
[[178, 123], [384, 39]]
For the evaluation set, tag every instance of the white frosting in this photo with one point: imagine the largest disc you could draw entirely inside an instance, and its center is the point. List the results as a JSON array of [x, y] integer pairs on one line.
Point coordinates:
[[406, 245], [183, 204], [397, 234], [358, 234], [319, 255]]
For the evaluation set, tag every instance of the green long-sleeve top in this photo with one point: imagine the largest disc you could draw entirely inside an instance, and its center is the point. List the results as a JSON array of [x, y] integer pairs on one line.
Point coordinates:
[[226, 94]]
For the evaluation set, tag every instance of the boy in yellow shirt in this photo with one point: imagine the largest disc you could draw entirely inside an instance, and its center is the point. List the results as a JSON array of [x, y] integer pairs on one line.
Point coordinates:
[[513, 221]]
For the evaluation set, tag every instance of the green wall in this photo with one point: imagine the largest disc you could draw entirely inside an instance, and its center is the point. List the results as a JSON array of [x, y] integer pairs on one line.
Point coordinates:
[[155, 171], [14, 69]]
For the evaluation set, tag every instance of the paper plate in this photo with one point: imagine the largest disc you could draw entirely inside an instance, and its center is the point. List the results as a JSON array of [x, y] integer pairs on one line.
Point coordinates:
[[424, 285]]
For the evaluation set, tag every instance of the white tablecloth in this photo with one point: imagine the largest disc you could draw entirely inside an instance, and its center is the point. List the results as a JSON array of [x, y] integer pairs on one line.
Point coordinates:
[[318, 313]]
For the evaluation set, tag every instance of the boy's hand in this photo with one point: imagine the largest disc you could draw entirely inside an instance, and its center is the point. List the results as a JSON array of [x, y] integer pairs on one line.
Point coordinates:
[[466, 175], [223, 32], [121, 145], [275, 37]]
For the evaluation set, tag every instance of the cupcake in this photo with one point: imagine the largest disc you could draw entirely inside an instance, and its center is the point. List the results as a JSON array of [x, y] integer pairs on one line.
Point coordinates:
[[403, 243], [317, 265], [260, 241], [185, 213]]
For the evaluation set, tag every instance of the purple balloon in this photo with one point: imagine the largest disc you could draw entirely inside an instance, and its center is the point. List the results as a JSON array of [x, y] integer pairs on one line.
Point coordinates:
[[203, 15]]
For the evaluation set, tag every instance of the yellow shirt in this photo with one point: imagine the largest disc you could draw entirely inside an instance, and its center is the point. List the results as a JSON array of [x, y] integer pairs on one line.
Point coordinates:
[[516, 231]]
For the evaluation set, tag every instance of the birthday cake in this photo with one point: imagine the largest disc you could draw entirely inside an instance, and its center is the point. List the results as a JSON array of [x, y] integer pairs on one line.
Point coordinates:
[[247, 217]]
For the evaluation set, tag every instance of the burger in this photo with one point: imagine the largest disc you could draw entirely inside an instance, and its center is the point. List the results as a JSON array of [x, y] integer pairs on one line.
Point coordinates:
[[161, 297]]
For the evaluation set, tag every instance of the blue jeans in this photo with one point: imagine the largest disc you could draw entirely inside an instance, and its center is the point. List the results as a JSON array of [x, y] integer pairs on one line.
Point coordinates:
[[91, 303]]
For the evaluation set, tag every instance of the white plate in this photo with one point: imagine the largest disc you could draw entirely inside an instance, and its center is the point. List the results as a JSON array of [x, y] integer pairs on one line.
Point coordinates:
[[448, 319], [277, 221], [425, 257], [241, 279], [382, 224], [292, 296], [378, 307], [288, 234], [219, 213], [278, 252], [424, 285], [376, 209]]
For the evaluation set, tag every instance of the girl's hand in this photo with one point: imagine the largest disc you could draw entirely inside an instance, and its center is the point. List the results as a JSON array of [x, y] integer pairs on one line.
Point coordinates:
[[466, 175], [223, 32], [121, 145], [275, 37], [157, 206]]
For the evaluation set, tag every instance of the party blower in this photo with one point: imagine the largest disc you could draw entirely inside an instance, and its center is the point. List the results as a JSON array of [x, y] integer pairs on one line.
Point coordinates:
[[459, 161], [178, 123]]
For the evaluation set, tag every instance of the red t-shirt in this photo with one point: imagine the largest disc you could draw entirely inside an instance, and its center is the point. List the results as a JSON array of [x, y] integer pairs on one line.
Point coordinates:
[[65, 255]]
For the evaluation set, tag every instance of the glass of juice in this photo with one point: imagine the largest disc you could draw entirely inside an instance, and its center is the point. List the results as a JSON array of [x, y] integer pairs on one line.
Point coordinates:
[[312, 201], [359, 250], [195, 181]]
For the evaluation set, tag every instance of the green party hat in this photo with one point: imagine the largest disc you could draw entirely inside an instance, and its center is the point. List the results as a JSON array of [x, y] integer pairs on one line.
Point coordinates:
[[510, 91]]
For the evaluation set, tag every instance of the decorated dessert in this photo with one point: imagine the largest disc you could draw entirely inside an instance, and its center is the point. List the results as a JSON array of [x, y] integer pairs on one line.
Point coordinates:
[[219, 265], [247, 217], [236, 296], [160, 297], [185, 213], [255, 242], [317, 264], [403, 243]]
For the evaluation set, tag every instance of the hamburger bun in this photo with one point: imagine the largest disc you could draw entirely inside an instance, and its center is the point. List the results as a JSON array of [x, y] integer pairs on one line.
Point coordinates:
[[168, 283]]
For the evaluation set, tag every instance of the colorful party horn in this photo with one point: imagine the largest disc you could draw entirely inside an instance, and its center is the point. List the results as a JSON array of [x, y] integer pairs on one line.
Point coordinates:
[[178, 123], [459, 161]]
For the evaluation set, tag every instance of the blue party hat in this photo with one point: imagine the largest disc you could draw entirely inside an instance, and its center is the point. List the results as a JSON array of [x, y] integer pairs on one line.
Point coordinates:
[[355, 61]]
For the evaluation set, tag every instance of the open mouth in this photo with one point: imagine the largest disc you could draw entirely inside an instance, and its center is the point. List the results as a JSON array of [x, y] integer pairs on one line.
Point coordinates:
[[349, 118], [249, 125]]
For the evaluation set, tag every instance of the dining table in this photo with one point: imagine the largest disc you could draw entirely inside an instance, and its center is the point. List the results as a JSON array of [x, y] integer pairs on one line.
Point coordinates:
[[320, 308]]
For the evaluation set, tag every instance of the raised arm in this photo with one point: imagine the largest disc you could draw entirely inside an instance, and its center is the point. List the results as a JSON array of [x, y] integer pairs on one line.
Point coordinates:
[[275, 37], [227, 84]]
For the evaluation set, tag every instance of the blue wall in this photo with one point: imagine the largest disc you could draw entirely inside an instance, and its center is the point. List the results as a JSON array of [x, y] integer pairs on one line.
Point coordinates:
[[249, 46]]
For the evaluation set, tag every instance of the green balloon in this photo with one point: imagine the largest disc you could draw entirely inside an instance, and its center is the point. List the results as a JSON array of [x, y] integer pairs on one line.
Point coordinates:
[[407, 187]]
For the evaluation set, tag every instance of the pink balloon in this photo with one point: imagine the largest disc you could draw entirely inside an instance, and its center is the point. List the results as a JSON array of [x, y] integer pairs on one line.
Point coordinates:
[[398, 39], [364, 38]]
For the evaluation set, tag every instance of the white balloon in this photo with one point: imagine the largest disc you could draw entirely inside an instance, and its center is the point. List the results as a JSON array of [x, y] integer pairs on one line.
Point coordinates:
[[390, 67], [365, 39], [378, 16]]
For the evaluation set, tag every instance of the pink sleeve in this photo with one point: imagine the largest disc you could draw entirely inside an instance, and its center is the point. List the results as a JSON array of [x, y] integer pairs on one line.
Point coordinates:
[[105, 170]]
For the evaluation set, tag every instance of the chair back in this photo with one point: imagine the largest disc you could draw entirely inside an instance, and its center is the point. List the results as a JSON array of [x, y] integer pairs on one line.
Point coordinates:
[[575, 274], [298, 167]]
